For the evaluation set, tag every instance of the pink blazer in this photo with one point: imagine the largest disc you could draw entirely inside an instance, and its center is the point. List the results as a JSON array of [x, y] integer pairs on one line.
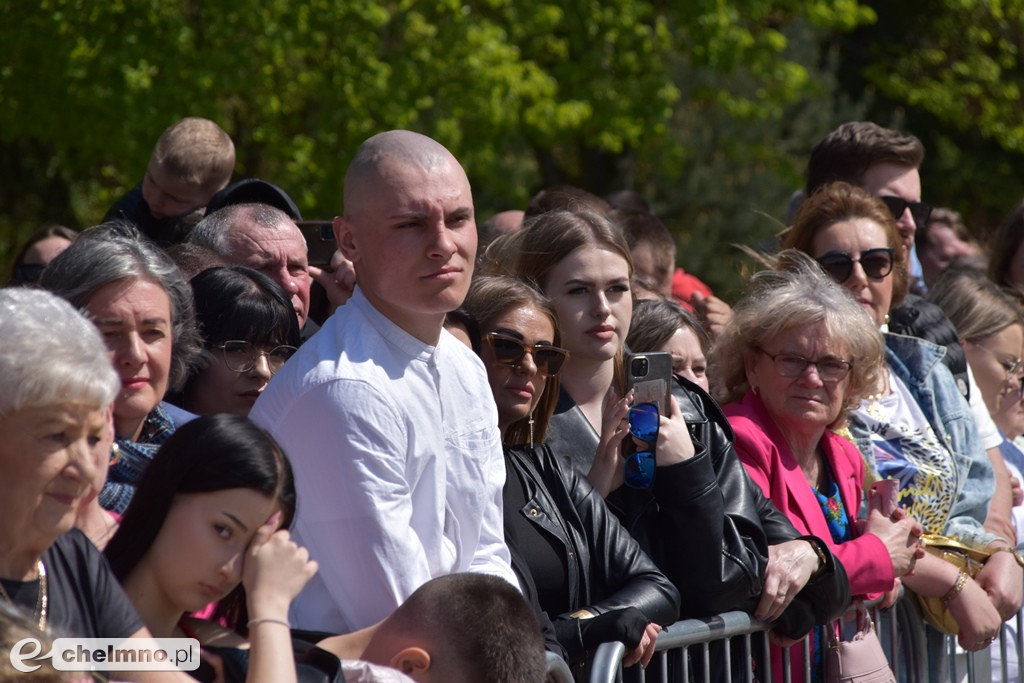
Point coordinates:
[[764, 453]]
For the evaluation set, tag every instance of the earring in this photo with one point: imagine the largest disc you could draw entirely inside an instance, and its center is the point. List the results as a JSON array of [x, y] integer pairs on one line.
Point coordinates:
[[531, 430], [754, 389]]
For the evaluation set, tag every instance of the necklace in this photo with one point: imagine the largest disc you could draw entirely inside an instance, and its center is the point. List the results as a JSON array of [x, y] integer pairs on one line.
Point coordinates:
[[41, 601]]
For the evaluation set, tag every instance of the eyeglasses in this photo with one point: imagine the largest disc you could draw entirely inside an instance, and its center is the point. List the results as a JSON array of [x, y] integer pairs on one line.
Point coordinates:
[[511, 351], [242, 356], [643, 424], [918, 210], [1012, 366], [876, 263], [829, 368]]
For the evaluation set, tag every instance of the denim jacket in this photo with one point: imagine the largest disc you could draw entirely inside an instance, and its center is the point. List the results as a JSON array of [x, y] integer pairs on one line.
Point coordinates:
[[918, 364]]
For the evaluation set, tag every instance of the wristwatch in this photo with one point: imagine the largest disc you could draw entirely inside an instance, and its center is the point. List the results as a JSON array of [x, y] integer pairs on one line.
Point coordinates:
[[1012, 551], [819, 550]]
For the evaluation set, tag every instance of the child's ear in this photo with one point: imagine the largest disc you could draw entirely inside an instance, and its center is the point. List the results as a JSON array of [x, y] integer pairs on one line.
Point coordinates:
[[414, 662]]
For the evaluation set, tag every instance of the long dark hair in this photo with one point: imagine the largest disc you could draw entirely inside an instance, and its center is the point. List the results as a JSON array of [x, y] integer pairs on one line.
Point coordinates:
[[211, 453]]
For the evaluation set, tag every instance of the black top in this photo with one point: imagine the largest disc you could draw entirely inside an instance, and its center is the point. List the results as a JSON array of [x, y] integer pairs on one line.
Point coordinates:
[[133, 208], [85, 600]]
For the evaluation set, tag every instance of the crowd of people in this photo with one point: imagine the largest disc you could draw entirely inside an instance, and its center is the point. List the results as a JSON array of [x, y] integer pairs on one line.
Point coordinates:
[[421, 462]]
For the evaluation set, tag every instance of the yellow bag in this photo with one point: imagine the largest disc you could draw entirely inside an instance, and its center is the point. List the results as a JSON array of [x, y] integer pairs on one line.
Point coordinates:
[[962, 556]]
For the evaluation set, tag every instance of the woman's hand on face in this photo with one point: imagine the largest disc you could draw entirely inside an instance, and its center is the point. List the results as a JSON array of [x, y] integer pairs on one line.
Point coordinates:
[[606, 472], [976, 615], [900, 534], [790, 566], [674, 442], [1002, 579], [275, 570]]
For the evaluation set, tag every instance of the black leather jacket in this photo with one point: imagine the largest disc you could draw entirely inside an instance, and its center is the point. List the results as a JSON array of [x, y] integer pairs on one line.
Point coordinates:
[[607, 568], [711, 501]]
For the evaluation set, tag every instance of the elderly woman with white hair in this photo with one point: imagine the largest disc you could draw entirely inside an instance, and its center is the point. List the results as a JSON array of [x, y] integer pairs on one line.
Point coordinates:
[[54, 426], [142, 306], [798, 353]]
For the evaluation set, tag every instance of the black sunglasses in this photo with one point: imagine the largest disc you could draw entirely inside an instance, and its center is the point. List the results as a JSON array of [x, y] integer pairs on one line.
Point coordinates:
[[511, 351], [919, 210], [643, 424], [28, 272], [877, 263]]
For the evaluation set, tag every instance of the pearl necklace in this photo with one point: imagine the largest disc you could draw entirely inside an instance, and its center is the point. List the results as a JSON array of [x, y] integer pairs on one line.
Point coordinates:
[[43, 596]]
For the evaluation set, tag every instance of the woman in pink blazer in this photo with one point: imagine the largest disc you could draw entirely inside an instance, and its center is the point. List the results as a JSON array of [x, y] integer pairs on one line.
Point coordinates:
[[798, 352]]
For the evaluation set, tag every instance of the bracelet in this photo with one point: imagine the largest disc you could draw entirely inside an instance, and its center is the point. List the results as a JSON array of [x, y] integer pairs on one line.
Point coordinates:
[[582, 614], [268, 620], [1012, 551], [958, 586]]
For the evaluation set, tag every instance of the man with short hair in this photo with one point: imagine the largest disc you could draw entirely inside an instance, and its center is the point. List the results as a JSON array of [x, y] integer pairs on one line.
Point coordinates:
[[264, 238], [387, 418], [885, 162]]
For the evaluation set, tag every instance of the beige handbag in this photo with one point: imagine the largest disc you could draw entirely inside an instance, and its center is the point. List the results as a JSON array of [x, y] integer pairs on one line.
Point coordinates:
[[860, 659]]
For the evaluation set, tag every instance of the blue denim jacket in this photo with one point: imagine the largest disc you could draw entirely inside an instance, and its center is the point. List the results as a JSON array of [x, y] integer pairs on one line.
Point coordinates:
[[918, 363]]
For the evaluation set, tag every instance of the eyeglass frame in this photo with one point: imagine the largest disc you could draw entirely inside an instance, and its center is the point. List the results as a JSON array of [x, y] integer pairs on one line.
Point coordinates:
[[894, 203], [527, 349], [1016, 371], [807, 362], [253, 359], [849, 273]]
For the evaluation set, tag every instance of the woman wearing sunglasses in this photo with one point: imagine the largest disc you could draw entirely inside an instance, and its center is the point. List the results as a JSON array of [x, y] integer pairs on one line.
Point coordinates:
[[249, 330], [914, 426], [797, 353], [585, 570]]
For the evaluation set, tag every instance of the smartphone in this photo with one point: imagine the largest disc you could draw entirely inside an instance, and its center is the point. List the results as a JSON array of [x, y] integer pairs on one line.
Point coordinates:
[[320, 244], [649, 375]]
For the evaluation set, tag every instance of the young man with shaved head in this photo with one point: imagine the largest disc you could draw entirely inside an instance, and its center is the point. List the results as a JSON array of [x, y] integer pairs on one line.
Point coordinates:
[[387, 419]]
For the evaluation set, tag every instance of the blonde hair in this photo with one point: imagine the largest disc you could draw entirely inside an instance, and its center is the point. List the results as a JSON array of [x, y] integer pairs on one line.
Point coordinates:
[[796, 294], [198, 152], [546, 239], [976, 306]]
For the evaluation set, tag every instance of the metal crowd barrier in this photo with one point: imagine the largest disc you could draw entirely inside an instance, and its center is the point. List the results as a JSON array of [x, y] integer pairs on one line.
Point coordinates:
[[685, 652]]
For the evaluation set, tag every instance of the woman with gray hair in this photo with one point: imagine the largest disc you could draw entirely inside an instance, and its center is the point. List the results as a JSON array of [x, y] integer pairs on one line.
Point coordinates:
[[797, 354], [54, 435], [142, 307]]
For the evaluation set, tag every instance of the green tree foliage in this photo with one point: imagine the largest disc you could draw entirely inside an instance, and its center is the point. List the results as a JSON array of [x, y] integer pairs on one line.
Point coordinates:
[[527, 93], [951, 72]]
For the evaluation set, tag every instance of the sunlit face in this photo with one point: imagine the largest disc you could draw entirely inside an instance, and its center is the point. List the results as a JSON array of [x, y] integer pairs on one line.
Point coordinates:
[[891, 180], [687, 357], [49, 460], [168, 196], [517, 389], [134, 318], [804, 403], [413, 242], [854, 237], [278, 252], [990, 359], [589, 289], [198, 554], [218, 389]]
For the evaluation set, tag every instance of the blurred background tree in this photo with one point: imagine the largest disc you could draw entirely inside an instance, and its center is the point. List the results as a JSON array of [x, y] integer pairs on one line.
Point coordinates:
[[707, 107]]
